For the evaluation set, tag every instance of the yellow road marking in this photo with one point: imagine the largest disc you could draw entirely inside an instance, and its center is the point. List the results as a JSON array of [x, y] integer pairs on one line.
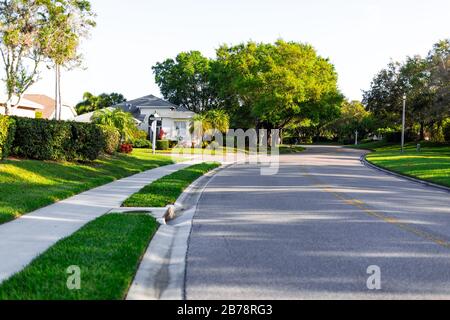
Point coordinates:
[[363, 207]]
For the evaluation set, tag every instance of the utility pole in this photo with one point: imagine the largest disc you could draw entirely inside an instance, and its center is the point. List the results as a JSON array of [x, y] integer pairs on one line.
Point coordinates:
[[403, 123], [356, 137]]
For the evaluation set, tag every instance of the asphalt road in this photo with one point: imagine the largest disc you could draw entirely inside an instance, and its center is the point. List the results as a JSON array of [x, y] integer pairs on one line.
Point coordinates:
[[312, 231]]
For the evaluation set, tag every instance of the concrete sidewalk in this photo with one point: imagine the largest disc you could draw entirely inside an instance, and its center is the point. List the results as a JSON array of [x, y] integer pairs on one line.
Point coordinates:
[[24, 239]]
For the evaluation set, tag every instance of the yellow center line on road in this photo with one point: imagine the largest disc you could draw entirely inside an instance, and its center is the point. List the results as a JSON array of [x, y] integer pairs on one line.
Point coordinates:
[[364, 207]]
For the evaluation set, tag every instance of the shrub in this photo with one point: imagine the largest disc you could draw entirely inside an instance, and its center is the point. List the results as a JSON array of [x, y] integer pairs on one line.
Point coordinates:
[[142, 143], [173, 143], [126, 148], [7, 130], [396, 136], [87, 141], [42, 139], [111, 137], [139, 134], [162, 144]]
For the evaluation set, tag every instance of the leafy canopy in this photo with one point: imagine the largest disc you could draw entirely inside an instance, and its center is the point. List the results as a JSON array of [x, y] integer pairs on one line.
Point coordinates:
[[92, 103]]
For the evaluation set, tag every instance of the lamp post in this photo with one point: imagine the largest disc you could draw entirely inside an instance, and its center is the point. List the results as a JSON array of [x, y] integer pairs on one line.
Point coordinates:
[[403, 122], [154, 118]]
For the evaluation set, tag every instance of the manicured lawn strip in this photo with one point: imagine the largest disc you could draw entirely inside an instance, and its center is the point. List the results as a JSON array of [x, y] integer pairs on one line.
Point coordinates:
[[166, 190], [27, 185], [108, 252], [431, 164]]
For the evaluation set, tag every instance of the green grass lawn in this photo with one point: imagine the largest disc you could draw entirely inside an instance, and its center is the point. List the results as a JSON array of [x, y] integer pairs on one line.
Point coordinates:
[[166, 190], [107, 251], [27, 185], [431, 164]]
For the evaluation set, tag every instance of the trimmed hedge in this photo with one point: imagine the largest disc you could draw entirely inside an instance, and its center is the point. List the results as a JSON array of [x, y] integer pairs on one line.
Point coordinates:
[[142, 143], [7, 130], [162, 145], [42, 139], [112, 139], [87, 141]]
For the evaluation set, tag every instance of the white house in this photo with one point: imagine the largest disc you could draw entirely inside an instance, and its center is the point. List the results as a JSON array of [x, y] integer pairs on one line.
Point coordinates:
[[26, 108], [67, 111], [174, 120], [38, 106]]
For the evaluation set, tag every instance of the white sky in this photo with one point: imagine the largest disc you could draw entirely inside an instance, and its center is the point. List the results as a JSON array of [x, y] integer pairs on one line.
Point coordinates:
[[359, 36]]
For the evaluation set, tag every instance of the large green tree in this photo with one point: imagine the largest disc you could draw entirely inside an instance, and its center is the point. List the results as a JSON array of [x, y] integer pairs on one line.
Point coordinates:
[[20, 48], [185, 81], [439, 61], [257, 84], [354, 117], [426, 83], [37, 31], [67, 22], [92, 102], [273, 84]]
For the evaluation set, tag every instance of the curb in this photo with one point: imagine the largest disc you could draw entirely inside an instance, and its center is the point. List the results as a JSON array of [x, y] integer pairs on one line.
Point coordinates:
[[161, 274], [366, 163], [181, 205]]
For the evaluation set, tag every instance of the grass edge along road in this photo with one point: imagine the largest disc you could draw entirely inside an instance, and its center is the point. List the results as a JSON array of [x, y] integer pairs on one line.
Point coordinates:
[[28, 185], [431, 164], [107, 250], [166, 190]]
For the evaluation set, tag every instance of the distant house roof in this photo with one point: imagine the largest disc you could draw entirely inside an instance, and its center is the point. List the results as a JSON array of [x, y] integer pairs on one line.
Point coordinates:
[[24, 103], [48, 104], [149, 101], [163, 107]]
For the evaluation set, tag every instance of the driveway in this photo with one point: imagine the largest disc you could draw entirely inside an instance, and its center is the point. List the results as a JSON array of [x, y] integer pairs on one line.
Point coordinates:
[[313, 230]]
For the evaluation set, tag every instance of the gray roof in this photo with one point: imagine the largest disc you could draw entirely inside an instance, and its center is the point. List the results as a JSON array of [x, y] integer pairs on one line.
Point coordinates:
[[134, 107], [147, 101]]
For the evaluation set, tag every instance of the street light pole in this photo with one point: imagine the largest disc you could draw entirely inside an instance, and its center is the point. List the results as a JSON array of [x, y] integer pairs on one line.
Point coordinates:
[[403, 123]]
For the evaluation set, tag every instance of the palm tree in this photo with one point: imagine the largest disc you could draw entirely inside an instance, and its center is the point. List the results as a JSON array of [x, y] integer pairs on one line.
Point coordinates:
[[121, 120], [210, 123]]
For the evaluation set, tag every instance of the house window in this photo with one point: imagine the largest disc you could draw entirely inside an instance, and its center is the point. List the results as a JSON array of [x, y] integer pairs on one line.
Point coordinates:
[[181, 128]]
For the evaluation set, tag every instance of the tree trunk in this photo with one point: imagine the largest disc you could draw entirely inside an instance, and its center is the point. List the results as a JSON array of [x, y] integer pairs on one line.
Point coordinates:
[[422, 131], [58, 105], [8, 107], [59, 93]]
